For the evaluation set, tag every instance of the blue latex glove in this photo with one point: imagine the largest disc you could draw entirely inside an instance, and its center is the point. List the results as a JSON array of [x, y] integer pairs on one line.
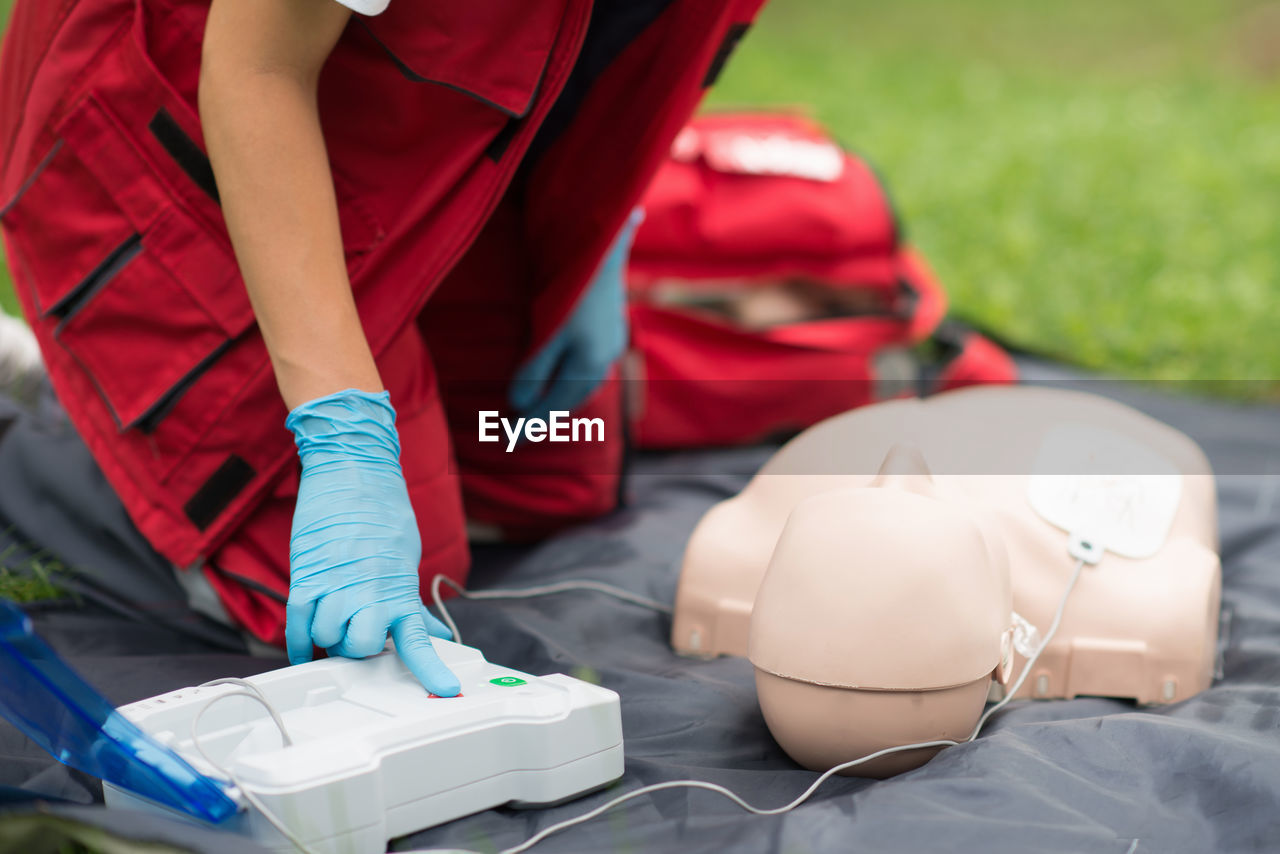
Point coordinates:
[[353, 557], [576, 360]]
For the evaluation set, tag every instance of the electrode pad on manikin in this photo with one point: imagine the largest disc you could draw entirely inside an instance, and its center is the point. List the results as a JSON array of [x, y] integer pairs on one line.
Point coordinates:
[[1122, 493]]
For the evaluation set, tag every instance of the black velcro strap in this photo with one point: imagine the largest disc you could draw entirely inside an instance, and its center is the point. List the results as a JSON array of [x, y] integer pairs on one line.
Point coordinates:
[[117, 259], [184, 151], [218, 491], [498, 145], [731, 39], [249, 584]]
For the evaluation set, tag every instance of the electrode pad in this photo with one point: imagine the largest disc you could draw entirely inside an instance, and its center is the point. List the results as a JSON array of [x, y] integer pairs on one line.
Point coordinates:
[[1088, 479]]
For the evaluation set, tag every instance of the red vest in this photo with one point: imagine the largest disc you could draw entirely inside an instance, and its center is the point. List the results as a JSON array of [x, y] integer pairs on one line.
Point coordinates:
[[123, 264]]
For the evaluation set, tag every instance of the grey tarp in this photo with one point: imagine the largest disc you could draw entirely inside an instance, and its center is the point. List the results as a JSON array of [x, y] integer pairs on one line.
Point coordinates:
[[1084, 775]]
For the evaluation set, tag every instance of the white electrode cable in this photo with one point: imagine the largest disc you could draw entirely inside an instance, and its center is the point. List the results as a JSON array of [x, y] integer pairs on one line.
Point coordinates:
[[257, 695], [624, 595], [247, 689], [826, 775], [1044, 644], [532, 592]]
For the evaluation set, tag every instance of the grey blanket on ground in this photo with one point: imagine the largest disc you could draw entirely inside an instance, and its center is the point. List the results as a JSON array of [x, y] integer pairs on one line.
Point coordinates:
[[1081, 775]]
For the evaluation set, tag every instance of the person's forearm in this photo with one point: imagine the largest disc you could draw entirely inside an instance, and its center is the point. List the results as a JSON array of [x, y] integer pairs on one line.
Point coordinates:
[[258, 110]]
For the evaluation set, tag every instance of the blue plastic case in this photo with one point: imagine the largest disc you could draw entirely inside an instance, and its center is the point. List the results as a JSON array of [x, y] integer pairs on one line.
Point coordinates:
[[62, 713]]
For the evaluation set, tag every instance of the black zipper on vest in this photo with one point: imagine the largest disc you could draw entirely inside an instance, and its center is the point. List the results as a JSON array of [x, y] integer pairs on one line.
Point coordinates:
[[248, 583], [148, 421], [117, 259]]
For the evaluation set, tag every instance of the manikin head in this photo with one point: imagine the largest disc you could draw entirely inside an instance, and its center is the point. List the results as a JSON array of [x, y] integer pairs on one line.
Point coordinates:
[[882, 620]]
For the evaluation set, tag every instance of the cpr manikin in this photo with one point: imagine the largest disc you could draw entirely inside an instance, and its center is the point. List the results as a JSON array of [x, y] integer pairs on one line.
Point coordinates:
[[879, 549]]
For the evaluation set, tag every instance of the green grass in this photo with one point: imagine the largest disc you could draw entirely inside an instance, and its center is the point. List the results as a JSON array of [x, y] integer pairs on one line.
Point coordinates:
[[38, 585], [1094, 180], [35, 576]]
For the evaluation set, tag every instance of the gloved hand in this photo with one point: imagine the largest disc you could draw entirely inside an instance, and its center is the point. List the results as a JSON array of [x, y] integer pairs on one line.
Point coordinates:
[[576, 360], [353, 557]]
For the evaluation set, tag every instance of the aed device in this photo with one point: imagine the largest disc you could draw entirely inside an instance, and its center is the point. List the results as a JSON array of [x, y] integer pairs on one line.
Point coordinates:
[[372, 756]]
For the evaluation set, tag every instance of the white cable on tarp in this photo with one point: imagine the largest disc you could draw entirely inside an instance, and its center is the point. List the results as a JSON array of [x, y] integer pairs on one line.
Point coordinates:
[[826, 775], [627, 596], [531, 592]]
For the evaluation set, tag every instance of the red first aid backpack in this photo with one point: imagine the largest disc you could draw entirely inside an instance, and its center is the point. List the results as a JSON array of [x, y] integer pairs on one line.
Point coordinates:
[[770, 289]]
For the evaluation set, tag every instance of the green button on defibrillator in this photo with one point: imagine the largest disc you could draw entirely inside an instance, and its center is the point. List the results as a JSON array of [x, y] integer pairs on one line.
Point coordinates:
[[507, 681]]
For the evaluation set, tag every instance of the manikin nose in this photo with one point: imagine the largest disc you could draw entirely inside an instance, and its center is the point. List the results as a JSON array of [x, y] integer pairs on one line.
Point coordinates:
[[904, 468]]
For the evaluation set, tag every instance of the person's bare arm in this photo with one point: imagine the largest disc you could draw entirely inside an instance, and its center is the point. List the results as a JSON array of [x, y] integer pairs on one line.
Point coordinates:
[[258, 77]]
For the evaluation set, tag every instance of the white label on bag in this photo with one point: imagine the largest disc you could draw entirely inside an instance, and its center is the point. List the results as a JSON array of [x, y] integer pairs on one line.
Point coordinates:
[[1104, 485], [775, 154]]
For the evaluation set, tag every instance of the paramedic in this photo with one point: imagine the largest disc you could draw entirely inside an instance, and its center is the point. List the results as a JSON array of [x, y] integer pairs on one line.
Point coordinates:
[[428, 205]]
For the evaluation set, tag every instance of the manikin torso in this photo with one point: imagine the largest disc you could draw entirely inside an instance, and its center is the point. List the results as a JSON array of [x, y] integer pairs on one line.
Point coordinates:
[[1029, 467]]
